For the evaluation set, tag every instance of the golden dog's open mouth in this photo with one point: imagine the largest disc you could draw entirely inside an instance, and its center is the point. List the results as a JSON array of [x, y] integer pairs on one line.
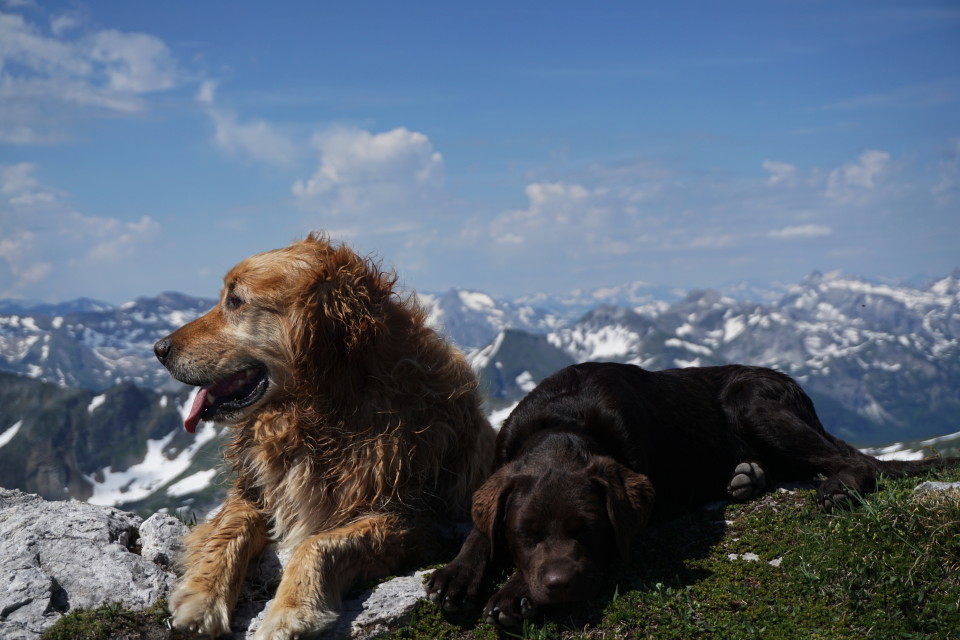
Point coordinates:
[[219, 398]]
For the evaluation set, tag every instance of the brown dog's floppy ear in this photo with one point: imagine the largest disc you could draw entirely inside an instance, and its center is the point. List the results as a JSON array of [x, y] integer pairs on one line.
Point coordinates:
[[343, 301], [489, 503], [354, 295], [630, 497]]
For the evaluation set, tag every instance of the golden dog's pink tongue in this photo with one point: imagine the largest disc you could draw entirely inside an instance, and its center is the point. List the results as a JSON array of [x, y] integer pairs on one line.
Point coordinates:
[[193, 418]]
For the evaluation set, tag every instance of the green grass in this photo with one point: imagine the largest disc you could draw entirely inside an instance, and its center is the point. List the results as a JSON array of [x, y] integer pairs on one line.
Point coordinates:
[[889, 568], [114, 622]]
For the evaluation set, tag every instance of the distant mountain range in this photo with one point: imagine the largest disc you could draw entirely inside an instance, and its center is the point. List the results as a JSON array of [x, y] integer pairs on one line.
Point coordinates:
[[86, 411]]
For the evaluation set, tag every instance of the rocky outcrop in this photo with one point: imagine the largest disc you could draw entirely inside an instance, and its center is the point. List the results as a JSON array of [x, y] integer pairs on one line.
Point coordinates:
[[58, 556]]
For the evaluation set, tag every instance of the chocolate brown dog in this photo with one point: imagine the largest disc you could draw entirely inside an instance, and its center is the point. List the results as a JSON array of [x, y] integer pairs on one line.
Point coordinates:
[[580, 460]]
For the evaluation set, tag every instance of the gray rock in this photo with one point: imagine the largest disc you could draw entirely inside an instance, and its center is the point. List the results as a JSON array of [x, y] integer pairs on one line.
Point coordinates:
[[930, 487], [58, 556], [368, 615], [161, 539], [388, 605]]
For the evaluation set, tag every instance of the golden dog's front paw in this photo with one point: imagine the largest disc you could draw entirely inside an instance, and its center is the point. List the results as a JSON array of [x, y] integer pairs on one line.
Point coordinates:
[[200, 612], [287, 624]]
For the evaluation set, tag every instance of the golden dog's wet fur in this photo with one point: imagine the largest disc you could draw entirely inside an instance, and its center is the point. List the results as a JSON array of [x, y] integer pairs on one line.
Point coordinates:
[[370, 434]]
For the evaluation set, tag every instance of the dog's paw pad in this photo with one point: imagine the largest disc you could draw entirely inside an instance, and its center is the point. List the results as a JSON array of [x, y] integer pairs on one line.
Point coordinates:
[[749, 480]]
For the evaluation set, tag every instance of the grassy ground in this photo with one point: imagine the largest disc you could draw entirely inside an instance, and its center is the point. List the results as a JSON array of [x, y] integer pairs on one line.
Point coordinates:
[[887, 569]]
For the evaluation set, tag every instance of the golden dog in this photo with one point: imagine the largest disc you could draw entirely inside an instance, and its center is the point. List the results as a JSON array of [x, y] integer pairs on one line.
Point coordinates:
[[356, 430]]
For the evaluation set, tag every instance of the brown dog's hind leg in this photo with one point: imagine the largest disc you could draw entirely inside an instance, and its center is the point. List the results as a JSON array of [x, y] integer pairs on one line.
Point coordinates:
[[324, 565], [748, 481], [777, 421]]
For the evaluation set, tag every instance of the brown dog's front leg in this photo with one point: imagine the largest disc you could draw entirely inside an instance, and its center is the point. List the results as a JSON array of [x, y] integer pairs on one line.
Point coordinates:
[[324, 565], [455, 587], [216, 560]]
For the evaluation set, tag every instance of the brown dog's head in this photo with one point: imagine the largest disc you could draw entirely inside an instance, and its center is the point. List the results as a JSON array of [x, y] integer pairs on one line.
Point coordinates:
[[561, 521], [285, 319]]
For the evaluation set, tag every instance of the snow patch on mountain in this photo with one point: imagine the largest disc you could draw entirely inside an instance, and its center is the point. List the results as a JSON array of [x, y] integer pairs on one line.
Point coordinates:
[[153, 472], [10, 432], [191, 484], [603, 343], [156, 470], [96, 402], [909, 451]]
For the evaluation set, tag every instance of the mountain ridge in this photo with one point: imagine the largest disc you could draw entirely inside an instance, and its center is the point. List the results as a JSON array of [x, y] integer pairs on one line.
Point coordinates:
[[87, 412]]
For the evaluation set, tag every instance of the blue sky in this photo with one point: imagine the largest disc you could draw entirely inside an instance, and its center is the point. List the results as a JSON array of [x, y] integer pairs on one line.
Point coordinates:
[[509, 147]]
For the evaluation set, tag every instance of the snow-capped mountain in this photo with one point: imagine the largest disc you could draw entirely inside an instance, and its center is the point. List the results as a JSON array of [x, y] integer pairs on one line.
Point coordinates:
[[473, 319], [91, 414], [94, 345]]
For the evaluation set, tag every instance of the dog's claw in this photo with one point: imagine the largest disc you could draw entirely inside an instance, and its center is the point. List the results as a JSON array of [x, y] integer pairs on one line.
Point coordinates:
[[527, 609]]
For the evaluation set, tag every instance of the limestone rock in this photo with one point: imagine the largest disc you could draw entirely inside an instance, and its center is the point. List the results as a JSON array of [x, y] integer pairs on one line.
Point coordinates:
[[161, 539], [58, 556], [931, 487]]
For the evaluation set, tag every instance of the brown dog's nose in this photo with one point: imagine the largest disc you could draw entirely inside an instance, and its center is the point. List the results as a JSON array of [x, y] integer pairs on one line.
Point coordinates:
[[162, 348], [558, 580]]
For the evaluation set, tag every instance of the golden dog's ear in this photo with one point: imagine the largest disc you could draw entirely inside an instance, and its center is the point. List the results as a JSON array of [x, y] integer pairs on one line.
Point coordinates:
[[346, 300], [489, 504], [630, 497]]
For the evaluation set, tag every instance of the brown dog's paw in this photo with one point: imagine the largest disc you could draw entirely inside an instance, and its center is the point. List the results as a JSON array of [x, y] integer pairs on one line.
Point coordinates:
[[454, 587], [835, 495], [511, 605], [290, 624], [199, 612], [749, 480]]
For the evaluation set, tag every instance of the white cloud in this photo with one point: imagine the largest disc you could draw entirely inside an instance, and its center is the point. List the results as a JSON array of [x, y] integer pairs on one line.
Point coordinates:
[[855, 182], [255, 140], [553, 208], [43, 238], [780, 172], [947, 186], [363, 172], [608, 219], [926, 94], [59, 25], [800, 231], [46, 74], [133, 62]]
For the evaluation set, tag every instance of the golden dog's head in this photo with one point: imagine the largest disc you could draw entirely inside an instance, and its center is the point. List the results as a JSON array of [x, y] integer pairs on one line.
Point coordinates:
[[286, 318]]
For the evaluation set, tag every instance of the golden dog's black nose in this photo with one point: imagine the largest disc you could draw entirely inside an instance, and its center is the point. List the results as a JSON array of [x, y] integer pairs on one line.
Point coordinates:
[[162, 348]]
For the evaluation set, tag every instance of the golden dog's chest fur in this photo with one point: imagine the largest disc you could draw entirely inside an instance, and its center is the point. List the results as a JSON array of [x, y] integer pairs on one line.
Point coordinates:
[[357, 429]]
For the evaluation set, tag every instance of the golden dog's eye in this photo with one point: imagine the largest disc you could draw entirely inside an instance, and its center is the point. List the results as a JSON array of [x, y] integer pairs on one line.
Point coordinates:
[[233, 302]]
